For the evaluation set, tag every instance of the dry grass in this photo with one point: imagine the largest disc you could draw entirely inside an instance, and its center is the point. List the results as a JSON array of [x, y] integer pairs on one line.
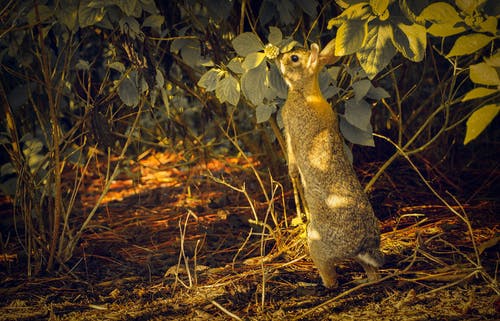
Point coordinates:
[[213, 241]]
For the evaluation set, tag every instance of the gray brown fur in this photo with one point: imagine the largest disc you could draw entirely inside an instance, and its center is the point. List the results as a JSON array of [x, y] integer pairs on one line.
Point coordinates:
[[342, 224]]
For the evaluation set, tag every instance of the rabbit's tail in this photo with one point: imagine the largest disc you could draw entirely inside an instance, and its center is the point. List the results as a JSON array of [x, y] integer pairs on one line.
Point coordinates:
[[372, 257]]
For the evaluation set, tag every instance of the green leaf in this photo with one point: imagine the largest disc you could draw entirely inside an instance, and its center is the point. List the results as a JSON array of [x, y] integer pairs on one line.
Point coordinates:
[[275, 36], [444, 18], [348, 152], [209, 79], [358, 113], [18, 96], [334, 72], [235, 65], [264, 112], [355, 135], [9, 187], [287, 11], [116, 65], [127, 6], [253, 84], [468, 44], [82, 65], [484, 74], [67, 14], [32, 146], [253, 60], [445, 29], [489, 25], [154, 21], [149, 6], [479, 92], [440, 12], [467, 6], [361, 88], [358, 11], [88, 14], [379, 6], [228, 89], [377, 93], [7, 169], [494, 60], [350, 37], [410, 40], [247, 43], [219, 9], [479, 120], [44, 13], [309, 7], [191, 53], [178, 44], [33, 152], [287, 44], [128, 92], [159, 79], [378, 49], [411, 8], [277, 82], [129, 26], [335, 22]]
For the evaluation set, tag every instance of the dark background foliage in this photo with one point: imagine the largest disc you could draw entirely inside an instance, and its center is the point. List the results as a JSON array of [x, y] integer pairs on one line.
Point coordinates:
[[82, 79]]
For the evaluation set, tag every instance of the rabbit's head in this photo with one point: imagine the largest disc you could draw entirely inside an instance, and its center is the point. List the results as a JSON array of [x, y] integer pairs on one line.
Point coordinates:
[[301, 66]]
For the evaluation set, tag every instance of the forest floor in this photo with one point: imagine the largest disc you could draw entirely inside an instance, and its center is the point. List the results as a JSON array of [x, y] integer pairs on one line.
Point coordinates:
[[213, 241]]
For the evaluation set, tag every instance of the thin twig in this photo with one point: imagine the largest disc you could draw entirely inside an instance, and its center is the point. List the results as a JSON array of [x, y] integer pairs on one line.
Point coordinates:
[[232, 315]]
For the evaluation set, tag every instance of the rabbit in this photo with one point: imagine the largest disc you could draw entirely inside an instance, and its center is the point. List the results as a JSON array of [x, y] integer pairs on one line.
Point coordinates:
[[341, 223]]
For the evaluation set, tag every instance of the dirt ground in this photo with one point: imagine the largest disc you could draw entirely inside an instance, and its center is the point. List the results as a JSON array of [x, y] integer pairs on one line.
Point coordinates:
[[214, 241]]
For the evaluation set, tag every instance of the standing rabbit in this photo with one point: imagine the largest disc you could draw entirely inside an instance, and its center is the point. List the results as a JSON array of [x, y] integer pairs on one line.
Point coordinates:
[[341, 223]]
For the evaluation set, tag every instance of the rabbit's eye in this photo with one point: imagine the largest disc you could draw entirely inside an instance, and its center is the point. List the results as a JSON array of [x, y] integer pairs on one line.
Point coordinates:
[[294, 58]]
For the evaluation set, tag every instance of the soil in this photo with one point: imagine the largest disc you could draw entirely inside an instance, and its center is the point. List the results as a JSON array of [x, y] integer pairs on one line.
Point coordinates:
[[214, 240]]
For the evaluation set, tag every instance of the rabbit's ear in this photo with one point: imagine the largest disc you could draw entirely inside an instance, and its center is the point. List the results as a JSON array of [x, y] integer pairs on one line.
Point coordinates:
[[327, 55], [313, 60]]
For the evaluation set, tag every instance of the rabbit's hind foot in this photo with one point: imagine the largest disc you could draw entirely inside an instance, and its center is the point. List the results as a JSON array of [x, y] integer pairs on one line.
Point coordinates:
[[371, 271], [328, 276]]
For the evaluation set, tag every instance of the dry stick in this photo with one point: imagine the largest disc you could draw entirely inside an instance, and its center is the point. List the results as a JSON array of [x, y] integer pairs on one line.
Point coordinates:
[[343, 294], [74, 193], [54, 149], [232, 315], [182, 253], [262, 245], [473, 273], [242, 15]]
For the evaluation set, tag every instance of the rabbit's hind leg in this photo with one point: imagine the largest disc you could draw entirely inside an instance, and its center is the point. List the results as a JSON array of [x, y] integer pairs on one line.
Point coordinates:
[[370, 264], [328, 275], [371, 271], [326, 270]]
